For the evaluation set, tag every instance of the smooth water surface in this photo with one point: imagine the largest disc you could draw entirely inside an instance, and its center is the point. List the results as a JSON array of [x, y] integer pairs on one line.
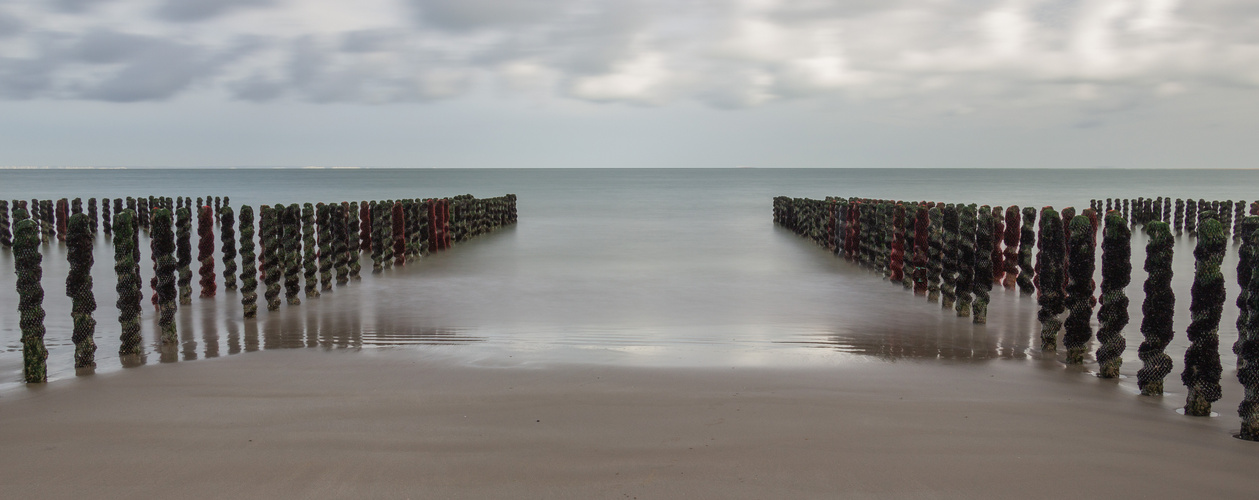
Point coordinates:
[[680, 267]]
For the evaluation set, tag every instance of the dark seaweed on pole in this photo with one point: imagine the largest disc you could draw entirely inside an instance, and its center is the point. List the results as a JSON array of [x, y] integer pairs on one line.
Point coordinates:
[[1246, 256], [183, 254], [310, 262], [935, 243], [128, 286], [6, 237], [398, 232], [998, 257], [1248, 334], [1078, 329], [164, 250], [1050, 278], [248, 264], [79, 289], [896, 258], [966, 247], [948, 287], [985, 227], [205, 251], [270, 245], [1202, 359], [1157, 310], [292, 227], [30, 300], [326, 256], [353, 241], [1113, 315], [1012, 236], [227, 223]]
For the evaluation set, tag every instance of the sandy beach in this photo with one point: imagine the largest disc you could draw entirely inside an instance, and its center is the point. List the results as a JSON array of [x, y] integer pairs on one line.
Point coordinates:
[[421, 424]]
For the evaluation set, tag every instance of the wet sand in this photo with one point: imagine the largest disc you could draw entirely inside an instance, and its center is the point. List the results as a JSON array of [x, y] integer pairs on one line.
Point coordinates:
[[421, 424]]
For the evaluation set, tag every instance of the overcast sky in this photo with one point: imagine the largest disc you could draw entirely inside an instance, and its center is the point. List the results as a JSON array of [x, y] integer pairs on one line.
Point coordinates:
[[630, 83]]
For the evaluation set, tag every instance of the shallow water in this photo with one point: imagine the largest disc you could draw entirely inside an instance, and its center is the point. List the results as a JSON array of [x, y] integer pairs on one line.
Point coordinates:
[[678, 267]]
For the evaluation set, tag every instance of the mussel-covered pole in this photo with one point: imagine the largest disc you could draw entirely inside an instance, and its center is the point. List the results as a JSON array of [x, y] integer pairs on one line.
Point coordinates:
[[921, 237], [1027, 242], [1248, 353], [398, 223], [142, 212], [1012, 236], [128, 286], [1191, 216], [1078, 327], [1050, 278], [998, 257], [1113, 315], [365, 226], [1239, 214], [205, 251], [987, 225], [910, 229], [948, 289], [1246, 256], [1179, 217], [386, 224], [79, 289], [227, 223], [896, 259], [966, 260], [340, 247], [183, 254], [378, 237], [1202, 359], [167, 297], [93, 219], [271, 246], [6, 237], [107, 224], [326, 256], [292, 226], [30, 300], [310, 264], [353, 241], [248, 264], [935, 247], [1157, 310]]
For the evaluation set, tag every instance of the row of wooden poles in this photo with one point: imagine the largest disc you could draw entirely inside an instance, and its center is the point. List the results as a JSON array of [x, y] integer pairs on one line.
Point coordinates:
[[953, 254], [313, 241]]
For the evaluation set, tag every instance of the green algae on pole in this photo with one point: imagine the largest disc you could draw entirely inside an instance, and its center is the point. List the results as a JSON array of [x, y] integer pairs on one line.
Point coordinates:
[[1157, 310], [79, 289], [164, 250], [227, 223], [310, 263], [966, 251], [128, 285], [30, 300], [205, 251], [1248, 335], [270, 244], [1202, 372], [1050, 278], [248, 264], [1116, 274], [183, 254], [1078, 329], [984, 229]]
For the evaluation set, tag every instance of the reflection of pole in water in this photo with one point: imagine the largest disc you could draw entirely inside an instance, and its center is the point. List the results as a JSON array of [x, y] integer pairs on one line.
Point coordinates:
[[251, 335], [210, 326]]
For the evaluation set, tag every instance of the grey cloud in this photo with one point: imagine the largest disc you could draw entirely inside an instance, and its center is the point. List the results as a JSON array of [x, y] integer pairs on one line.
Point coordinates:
[[370, 40], [77, 5], [201, 10], [462, 15], [10, 26]]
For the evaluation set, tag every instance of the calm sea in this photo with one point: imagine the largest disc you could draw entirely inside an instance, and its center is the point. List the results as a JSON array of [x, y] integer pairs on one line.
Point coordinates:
[[635, 266]]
